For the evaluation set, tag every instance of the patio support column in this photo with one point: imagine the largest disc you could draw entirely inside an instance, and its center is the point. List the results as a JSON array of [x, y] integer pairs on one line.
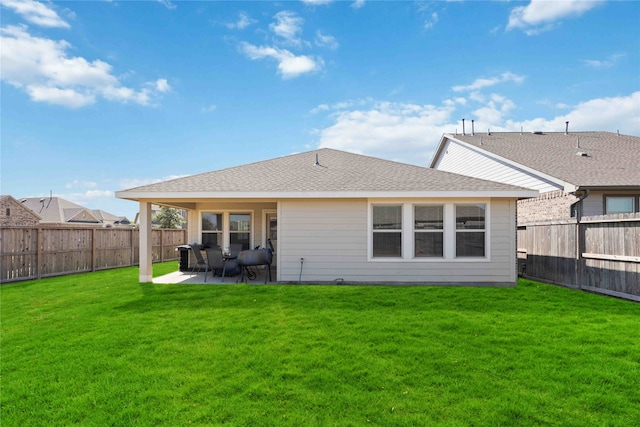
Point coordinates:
[[146, 243]]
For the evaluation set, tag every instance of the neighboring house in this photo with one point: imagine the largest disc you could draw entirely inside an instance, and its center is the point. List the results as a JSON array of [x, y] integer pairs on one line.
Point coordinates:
[[15, 214], [577, 173], [340, 217], [55, 210]]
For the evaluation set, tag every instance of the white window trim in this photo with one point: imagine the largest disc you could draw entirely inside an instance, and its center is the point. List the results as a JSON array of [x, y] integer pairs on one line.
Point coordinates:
[[408, 231], [402, 231], [226, 224], [484, 230], [443, 231]]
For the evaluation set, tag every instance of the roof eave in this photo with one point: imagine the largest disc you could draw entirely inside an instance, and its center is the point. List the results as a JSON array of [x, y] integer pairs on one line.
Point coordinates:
[[140, 196]]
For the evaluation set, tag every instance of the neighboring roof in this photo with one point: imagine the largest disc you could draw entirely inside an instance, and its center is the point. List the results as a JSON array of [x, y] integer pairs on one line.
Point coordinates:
[[106, 216], [58, 210], [324, 173], [611, 160]]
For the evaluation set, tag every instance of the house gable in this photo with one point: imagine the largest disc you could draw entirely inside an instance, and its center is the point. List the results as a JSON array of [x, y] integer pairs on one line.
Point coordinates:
[[458, 157], [14, 214]]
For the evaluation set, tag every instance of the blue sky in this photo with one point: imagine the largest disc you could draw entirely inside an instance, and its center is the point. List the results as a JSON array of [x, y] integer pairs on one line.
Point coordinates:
[[100, 96]]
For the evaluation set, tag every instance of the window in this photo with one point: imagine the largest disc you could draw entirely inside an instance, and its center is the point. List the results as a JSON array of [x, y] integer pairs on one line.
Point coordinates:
[[429, 232], [470, 230], [619, 204], [387, 231], [8, 211], [428, 226], [212, 229], [240, 229]]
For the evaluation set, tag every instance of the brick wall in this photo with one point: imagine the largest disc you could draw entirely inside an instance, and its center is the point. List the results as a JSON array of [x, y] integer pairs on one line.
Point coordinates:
[[13, 214], [547, 206]]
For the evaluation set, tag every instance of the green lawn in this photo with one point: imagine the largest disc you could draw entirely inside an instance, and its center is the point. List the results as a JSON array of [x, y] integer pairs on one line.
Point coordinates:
[[101, 349]]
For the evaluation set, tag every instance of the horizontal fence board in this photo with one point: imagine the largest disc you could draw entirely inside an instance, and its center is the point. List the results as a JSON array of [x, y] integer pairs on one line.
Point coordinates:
[[45, 251]]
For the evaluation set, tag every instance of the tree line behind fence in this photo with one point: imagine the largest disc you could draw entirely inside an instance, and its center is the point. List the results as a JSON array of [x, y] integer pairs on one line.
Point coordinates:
[[36, 252]]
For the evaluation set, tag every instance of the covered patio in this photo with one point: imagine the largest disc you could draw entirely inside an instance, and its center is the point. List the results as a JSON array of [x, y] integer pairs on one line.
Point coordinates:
[[198, 278]]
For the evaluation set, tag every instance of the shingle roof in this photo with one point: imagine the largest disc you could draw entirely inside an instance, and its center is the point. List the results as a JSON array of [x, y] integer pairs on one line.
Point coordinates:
[[55, 209], [336, 171], [611, 160]]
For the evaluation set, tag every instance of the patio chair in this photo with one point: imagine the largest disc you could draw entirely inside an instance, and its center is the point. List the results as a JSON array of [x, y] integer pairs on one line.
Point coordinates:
[[215, 260], [235, 249], [200, 262]]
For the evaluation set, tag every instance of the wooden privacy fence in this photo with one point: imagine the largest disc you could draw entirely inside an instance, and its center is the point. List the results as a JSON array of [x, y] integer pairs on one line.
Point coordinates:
[[599, 253], [36, 252]]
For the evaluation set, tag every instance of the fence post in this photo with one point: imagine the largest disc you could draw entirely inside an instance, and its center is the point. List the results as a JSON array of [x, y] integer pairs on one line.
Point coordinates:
[[39, 254], [582, 244], [161, 245], [132, 255], [93, 250]]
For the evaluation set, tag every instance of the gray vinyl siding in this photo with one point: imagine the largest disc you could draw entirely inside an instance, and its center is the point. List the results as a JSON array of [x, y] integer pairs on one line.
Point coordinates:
[[332, 237], [463, 160]]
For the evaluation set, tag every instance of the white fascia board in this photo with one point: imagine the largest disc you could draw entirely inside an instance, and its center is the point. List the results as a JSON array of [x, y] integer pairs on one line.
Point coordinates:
[[515, 193], [436, 154], [568, 187]]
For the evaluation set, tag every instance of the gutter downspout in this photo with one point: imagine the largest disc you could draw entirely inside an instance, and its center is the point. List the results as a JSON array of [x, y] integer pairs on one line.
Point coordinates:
[[578, 209]]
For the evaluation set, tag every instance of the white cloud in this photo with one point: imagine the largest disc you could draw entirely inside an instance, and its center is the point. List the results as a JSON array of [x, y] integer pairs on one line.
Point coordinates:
[[487, 82], [243, 22], [357, 4], [209, 108], [81, 184], [167, 4], [326, 40], [288, 25], [432, 21], [606, 63], [607, 114], [66, 97], [317, 2], [35, 12], [541, 15], [43, 69], [401, 131], [289, 65], [494, 111], [162, 85]]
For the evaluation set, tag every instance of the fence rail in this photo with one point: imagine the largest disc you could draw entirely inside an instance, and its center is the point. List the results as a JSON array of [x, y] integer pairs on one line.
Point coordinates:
[[45, 251], [600, 253]]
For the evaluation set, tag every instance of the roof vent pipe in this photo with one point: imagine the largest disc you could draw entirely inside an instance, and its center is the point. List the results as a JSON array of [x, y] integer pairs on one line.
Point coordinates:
[[566, 128], [488, 131], [473, 130], [463, 127]]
